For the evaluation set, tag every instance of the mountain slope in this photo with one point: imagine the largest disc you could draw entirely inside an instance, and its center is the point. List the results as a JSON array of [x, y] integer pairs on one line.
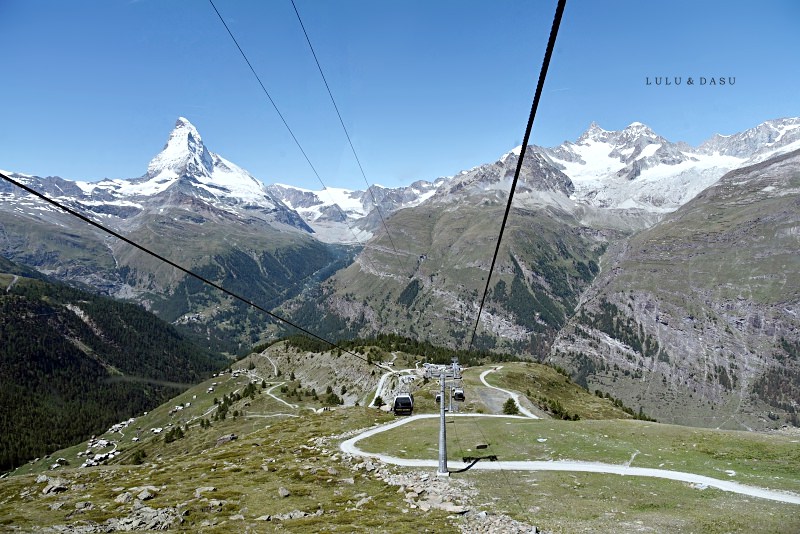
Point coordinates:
[[74, 363], [431, 288], [696, 319]]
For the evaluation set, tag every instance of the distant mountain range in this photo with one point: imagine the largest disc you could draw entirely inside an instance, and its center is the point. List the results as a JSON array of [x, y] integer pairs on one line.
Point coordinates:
[[631, 169], [698, 317], [324, 259], [193, 207], [628, 169]]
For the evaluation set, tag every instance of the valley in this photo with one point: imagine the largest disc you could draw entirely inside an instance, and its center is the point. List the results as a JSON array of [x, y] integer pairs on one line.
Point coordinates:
[[657, 281]]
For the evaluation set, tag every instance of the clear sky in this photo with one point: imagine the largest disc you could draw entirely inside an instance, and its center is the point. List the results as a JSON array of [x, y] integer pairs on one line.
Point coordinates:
[[91, 89]]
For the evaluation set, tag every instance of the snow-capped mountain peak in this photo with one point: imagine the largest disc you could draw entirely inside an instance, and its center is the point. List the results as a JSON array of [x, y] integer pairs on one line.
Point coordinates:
[[638, 127], [593, 133], [186, 176], [186, 164], [769, 138], [184, 153]]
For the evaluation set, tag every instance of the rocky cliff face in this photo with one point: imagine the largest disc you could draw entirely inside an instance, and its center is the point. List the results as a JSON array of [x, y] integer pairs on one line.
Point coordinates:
[[696, 319]]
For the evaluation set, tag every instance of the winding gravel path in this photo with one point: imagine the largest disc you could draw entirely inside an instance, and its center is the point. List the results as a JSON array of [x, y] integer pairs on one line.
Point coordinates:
[[524, 411], [382, 382], [701, 481], [13, 282], [269, 392]]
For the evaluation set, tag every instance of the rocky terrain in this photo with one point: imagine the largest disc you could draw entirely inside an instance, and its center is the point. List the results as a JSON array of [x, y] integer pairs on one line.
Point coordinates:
[[697, 318]]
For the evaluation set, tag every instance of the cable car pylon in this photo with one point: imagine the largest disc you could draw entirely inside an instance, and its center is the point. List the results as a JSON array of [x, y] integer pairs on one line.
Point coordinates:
[[455, 369], [443, 471]]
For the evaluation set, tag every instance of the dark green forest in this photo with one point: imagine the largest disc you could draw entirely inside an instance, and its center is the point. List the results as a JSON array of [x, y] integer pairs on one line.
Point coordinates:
[[394, 342], [76, 363]]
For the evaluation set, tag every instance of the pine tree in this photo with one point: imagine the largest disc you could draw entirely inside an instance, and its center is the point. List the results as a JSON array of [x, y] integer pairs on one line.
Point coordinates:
[[510, 407]]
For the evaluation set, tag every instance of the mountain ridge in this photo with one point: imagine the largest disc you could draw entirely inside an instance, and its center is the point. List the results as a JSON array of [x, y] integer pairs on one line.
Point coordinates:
[[632, 168]]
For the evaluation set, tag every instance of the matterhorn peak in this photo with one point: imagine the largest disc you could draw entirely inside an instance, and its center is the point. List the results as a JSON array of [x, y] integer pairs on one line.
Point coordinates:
[[184, 153]]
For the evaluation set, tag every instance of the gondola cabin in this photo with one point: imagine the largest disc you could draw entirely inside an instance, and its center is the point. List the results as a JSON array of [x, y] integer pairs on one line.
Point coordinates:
[[458, 394], [403, 404]]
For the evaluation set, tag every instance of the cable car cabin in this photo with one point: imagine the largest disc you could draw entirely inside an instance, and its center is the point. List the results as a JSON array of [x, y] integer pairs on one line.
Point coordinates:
[[403, 404], [458, 394]]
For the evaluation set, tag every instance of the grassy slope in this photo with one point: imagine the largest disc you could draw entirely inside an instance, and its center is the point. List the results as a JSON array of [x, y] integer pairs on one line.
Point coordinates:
[[283, 451]]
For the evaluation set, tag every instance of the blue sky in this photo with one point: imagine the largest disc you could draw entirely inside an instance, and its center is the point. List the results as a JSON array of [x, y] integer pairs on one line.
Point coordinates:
[[91, 89]]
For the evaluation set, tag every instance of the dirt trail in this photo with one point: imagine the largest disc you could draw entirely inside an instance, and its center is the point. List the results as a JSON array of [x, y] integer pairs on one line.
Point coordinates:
[[12, 283], [524, 411], [698, 481]]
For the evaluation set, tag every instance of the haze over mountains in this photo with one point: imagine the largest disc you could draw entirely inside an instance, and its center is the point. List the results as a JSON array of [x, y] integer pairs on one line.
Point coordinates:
[[324, 259]]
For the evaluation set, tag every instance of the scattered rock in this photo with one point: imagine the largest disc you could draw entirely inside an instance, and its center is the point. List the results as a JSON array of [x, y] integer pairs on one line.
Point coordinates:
[[123, 498], [146, 494], [237, 517], [296, 514], [226, 438], [55, 485], [42, 478], [453, 508], [83, 506], [215, 505], [146, 518], [264, 518], [283, 492], [204, 489], [483, 522]]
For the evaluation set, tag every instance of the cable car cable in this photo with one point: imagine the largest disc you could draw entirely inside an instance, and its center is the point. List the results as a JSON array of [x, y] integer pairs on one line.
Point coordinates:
[[537, 96], [191, 273], [283, 119], [347, 134]]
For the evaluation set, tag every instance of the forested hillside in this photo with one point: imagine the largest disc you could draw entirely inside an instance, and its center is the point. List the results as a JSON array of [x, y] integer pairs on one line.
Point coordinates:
[[74, 363]]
